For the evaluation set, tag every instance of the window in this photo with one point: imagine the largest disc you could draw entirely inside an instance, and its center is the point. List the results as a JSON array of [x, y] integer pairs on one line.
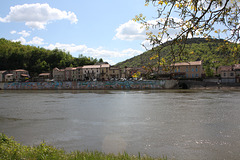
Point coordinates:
[[192, 70], [196, 75], [186, 69], [192, 75], [196, 69], [224, 74], [231, 74]]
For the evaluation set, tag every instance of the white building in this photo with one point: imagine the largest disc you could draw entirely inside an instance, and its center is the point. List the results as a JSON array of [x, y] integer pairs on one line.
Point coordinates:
[[91, 72]]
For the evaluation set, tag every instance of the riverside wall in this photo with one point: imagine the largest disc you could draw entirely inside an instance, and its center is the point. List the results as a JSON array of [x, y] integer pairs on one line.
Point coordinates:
[[89, 85]]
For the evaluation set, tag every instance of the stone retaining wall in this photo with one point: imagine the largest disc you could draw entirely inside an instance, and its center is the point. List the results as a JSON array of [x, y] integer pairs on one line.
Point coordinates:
[[87, 85]]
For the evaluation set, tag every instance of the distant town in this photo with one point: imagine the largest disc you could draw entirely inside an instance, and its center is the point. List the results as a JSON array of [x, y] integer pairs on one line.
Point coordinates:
[[106, 72]]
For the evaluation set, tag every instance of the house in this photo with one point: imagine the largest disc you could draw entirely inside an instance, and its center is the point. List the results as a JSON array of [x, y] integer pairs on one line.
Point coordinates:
[[70, 74], [20, 75], [2, 75], [44, 77], [237, 72], [58, 74], [79, 72], [114, 72], [8, 78], [230, 74], [104, 71], [187, 69], [109, 72], [91, 72]]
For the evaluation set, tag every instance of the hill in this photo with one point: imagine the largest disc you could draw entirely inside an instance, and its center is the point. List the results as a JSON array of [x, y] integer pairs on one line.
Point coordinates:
[[14, 55], [213, 53]]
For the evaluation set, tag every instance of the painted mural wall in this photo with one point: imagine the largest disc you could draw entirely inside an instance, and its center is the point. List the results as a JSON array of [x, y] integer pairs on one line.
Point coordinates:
[[86, 85]]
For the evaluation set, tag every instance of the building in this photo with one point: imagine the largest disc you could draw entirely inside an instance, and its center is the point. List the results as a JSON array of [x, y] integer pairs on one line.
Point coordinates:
[[8, 78], [44, 77], [2, 75], [58, 74], [114, 73], [104, 69], [230, 74], [101, 71], [187, 69], [20, 75], [79, 72], [237, 72], [91, 72], [70, 74]]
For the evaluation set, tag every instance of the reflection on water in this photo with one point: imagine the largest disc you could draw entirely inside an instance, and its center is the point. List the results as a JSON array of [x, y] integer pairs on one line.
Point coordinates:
[[182, 124]]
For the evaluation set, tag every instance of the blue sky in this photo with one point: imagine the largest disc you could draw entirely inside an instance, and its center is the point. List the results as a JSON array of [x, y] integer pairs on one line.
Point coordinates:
[[100, 29]]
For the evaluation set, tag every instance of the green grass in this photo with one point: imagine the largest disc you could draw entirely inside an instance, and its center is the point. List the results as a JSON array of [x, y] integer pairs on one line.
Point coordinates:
[[12, 150]]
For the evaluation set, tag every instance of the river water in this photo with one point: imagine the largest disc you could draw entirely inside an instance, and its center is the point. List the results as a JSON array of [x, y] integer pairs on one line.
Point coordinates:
[[179, 124]]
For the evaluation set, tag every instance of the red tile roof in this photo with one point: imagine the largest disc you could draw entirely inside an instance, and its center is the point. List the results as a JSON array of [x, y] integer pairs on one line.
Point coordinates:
[[20, 70], [236, 66], [196, 63], [225, 68], [44, 74]]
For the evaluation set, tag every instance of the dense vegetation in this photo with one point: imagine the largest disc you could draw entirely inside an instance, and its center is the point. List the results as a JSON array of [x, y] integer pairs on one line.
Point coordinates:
[[10, 149], [37, 60], [212, 52]]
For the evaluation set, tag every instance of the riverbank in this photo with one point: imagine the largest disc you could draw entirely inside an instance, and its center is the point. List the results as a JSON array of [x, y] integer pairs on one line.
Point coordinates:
[[90, 85], [10, 149], [191, 84]]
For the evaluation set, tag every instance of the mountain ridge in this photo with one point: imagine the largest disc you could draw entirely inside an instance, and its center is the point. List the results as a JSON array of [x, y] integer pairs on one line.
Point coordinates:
[[210, 51]]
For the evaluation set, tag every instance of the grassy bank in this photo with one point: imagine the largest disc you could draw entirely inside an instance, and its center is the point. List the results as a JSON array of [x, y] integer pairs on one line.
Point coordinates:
[[11, 150]]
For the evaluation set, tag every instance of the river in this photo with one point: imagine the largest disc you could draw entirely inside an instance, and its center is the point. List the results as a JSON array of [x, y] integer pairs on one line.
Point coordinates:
[[179, 124]]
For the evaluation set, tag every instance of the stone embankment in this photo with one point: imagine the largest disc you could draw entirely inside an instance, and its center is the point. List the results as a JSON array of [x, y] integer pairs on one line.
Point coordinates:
[[190, 84], [90, 85]]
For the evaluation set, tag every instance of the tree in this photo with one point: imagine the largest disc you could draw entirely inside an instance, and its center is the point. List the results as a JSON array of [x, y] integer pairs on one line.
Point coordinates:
[[100, 60], [191, 18]]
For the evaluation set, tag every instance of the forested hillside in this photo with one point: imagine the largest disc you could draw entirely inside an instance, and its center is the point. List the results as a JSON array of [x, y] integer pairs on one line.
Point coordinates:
[[36, 60], [212, 52]]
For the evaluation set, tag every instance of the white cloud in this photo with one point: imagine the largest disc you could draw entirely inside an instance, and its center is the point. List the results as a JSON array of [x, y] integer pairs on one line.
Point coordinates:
[[34, 41], [111, 56], [13, 32], [23, 33], [37, 16], [130, 31]]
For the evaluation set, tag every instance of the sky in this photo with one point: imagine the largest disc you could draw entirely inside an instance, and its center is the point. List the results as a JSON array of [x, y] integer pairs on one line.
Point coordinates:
[[99, 29]]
